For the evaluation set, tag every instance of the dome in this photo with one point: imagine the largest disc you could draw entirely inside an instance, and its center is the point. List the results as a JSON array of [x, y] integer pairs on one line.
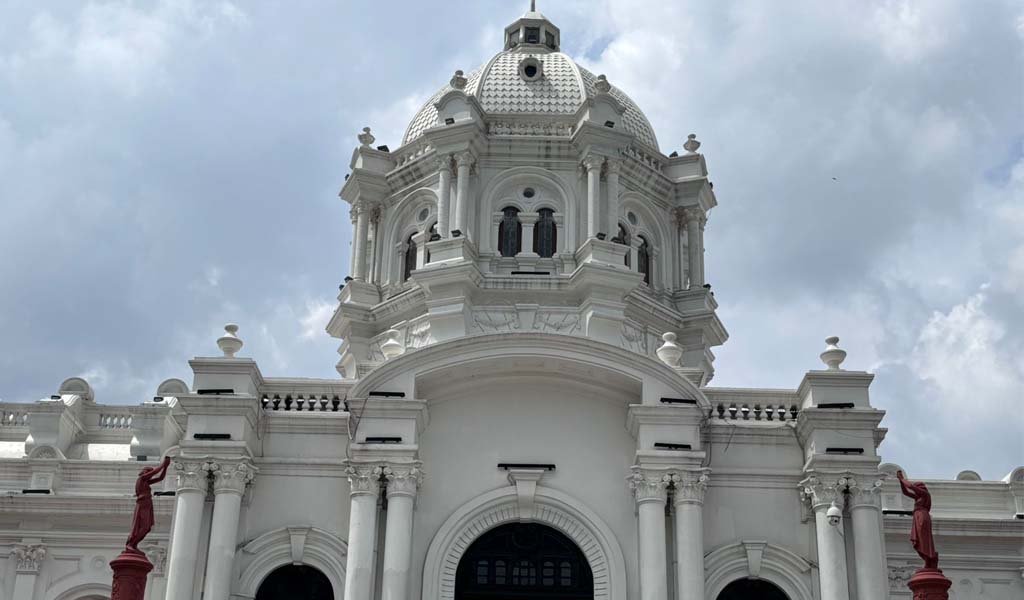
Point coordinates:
[[558, 88]]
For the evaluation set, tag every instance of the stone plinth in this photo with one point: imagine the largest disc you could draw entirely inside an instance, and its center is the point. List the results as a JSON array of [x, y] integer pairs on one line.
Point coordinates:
[[929, 584], [131, 568]]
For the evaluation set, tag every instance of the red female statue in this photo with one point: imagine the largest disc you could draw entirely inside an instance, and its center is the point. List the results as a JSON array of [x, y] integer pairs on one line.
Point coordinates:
[[142, 520], [132, 567], [928, 583]]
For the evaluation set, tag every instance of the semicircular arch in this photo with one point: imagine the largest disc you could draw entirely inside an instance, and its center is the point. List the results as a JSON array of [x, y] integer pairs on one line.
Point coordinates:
[[294, 545], [757, 560], [399, 224], [563, 201]]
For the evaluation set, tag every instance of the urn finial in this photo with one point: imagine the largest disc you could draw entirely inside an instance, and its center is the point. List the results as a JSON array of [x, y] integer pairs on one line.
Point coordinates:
[[602, 85], [366, 138], [229, 343], [459, 80], [392, 346], [691, 144], [833, 356], [670, 353]]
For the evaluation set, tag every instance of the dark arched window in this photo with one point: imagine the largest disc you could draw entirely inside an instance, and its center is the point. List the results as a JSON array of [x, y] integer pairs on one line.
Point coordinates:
[[643, 259], [522, 561], [545, 234], [295, 581], [410, 258], [623, 238], [510, 232], [746, 589], [431, 234]]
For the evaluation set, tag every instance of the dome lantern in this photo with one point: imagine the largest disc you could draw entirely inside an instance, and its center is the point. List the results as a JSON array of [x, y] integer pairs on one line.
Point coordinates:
[[532, 32]]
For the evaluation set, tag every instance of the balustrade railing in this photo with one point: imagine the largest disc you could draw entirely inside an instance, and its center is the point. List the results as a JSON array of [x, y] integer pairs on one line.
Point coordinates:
[[13, 418], [303, 402], [115, 421], [731, 411]]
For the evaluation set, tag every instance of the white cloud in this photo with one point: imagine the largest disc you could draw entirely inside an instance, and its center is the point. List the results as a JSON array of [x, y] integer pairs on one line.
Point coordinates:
[[318, 313]]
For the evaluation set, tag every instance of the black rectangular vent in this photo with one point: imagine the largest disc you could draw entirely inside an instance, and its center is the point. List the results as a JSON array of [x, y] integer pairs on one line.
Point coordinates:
[[545, 466], [383, 439], [898, 513], [167, 493], [844, 451], [211, 436], [836, 405], [215, 391], [388, 394], [671, 446], [678, 401], [531, 272], [33, 491]]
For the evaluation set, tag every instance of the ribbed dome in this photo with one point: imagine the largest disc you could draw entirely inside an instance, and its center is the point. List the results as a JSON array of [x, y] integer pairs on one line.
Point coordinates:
[[559, 91]]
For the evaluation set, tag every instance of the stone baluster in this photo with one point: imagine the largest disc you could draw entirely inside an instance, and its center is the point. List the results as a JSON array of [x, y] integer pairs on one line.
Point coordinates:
[[229, 482], [402, 484], [688, 499], [364, 483], [444, 188], [192, 485], [650, 488], [592, 163], [831, 545], [869, 556], [463, 163]]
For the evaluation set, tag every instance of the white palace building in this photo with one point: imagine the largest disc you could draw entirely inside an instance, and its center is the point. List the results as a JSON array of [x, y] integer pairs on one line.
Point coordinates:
[[524, 408]]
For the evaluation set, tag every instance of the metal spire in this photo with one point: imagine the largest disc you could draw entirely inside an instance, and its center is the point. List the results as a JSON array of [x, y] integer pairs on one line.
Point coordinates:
[[533, 5]]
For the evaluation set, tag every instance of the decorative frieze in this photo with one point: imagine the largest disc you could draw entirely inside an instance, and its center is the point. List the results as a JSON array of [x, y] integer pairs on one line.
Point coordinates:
[[556, 322], [364, 479], [530, 128], [231, 477], [402, 480], [29, 557], [649, 486], [496, 320]]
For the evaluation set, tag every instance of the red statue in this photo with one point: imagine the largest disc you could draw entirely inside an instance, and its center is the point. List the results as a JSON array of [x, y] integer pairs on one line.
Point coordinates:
[[927, 583], [142, 521], [131, 567], [921, 531]]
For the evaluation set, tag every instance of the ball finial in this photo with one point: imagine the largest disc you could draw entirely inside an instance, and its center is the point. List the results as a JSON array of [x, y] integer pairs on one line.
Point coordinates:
[[229, 343]]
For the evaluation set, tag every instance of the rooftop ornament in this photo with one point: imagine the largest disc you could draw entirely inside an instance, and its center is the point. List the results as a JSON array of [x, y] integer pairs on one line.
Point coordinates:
[[833, 356], [691, 145], [459, 80], [366, 138], [670, 353], [229, 343], [602, 85]]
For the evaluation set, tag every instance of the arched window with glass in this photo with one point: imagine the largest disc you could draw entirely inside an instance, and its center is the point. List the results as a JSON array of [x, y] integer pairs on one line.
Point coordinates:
[[643, 259], [410, 258], [545, 234], [624, 239], [510, 232]]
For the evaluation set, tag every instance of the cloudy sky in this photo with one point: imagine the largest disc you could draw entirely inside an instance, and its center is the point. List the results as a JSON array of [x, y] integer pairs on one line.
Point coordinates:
[[168, 166]]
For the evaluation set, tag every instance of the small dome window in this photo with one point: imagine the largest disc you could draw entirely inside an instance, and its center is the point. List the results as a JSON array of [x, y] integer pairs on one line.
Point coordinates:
[[633, 220], [423, 215], [529, 193], [531, 69], [533, 35]]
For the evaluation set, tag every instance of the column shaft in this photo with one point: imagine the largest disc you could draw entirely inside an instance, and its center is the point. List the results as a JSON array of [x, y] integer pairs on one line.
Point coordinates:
[[653, 562], [611, 226], [869, 559], [463, 162], [444, 187], [593, 166], [397, 548], [689, 551], [361, 528], [188, 517], [220, 558], [359, 246], [831, 557], [694, 249]]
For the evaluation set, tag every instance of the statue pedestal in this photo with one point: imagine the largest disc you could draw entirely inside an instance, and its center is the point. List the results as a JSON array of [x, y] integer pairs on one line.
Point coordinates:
[[131, 568], [929, 584]]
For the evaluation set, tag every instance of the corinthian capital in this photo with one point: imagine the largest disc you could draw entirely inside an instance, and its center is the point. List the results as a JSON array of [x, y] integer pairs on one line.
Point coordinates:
[[364, 479], [866, 491], [443, 162], [231, 477], [649, 486], [192, 476], [592, 162], [29, 557], [822, 490], [695, 214], [689, 486], [464, 159], [612, 167], [403, 480]]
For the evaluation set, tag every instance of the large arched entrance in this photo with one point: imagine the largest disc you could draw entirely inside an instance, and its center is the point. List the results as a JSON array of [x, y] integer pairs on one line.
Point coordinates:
[[522, 561], [295, 581], [752, 589]]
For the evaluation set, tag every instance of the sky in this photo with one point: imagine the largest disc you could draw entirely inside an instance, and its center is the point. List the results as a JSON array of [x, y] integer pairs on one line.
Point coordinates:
[[170, 166]]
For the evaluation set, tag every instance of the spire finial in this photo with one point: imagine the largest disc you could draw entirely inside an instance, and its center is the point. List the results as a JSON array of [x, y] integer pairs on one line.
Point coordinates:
[[533, 5]]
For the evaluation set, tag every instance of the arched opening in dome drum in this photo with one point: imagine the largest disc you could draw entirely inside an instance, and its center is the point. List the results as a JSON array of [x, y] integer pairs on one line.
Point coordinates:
[[521, 561], [295, 581], [410, 258], [431, 234], [623, 238], [643, 259], [510, 232], [752, 589], [545, 234]]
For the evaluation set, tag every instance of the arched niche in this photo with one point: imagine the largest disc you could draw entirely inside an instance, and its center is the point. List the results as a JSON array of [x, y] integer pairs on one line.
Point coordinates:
[[548, 191], [553, 508], [758, 560], [71, 590], [308, 546], [656, 229], [415, 213]]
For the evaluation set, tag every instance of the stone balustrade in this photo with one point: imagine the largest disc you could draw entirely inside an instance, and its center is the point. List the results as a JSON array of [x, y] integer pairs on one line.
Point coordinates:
[[755, 412], [303, 402]]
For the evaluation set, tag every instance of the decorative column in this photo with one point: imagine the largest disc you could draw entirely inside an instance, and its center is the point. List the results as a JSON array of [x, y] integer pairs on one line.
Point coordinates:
[[831, 545], [592, 163], [529, 223], [463, 162], [650, 490], [29, 557], [444, 188], [688, 500], [359, 245], [695, 220], [869, 558], [612, 170], [229, 482], [193, 482], [402, 483], [364, 482], [678, 225], [373, 270]]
